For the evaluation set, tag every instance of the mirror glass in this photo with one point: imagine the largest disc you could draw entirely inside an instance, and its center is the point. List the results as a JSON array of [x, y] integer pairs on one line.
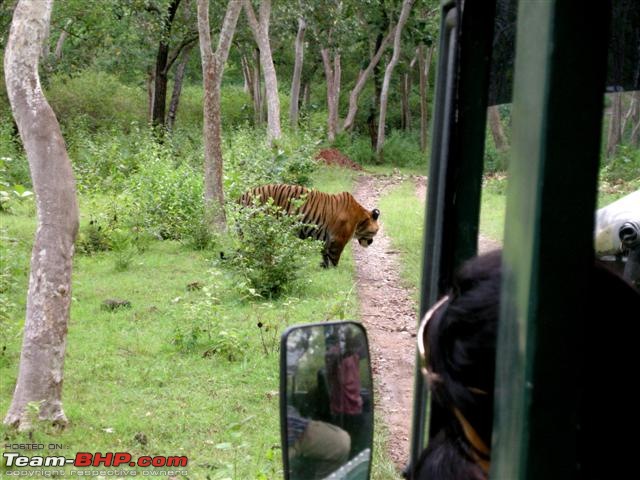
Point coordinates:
[[326, 402]]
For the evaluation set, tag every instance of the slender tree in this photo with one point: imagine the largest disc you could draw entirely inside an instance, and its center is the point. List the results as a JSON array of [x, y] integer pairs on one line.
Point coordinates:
[[40, 376], [177, 87], [297, 73], [160, 77], [614, 136], [499, 138], [212, 69], [384, 94], [361, 81], [260, 28], [332, 72], [424, 64]]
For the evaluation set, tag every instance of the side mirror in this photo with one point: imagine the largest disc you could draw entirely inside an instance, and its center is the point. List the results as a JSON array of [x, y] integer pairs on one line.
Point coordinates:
[[326, 402]]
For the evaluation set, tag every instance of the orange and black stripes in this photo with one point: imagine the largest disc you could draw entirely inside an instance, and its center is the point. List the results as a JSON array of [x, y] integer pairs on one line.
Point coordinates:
[[335, 218]]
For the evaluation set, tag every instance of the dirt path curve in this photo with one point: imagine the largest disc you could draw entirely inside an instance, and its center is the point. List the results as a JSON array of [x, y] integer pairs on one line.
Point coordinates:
[[388, 312]]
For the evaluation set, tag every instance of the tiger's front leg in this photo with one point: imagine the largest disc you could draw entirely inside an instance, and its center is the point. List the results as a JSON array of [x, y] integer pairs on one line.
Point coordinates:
[[331, 254]]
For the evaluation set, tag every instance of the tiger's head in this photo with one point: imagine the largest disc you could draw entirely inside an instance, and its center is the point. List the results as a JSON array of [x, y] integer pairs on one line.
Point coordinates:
[[367, 228]]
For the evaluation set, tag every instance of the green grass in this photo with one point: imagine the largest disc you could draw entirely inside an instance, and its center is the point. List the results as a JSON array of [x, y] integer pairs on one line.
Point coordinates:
[[403, 219], [125, 376]]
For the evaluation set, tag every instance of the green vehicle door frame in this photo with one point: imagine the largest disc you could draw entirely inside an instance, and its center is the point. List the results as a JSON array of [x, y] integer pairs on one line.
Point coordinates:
[[561, 62]]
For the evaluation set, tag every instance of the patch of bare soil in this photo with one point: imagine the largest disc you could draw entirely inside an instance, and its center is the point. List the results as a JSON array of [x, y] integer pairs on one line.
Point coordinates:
[[388, 313], [333, 156]]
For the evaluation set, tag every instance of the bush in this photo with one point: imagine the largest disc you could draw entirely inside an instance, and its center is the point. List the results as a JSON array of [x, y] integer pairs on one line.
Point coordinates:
[[12, 273], [235, 107], [166, 199], [402, 149], [250, 161], [97, 97], [268, 252]]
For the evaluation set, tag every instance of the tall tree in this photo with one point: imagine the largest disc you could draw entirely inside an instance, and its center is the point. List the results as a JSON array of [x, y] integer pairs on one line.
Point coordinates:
[[332, 72], [297, 73], [384, 94], [177, 87], [260, 28], [424, 64], [40, 376], [212, 70], [361, 81], [161, 72], [614, 136], [499, 138]]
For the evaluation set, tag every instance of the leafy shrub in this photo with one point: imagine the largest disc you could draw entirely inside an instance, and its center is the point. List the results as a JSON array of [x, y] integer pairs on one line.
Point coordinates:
[[98, 97], [124, 249], [494, 160], [268, 252], [402, 149], [250, 161], [10, 193], [208, 329], [94, 238], [235, 107], [356, 147], [12, 272], [14, 167], [166, 199]]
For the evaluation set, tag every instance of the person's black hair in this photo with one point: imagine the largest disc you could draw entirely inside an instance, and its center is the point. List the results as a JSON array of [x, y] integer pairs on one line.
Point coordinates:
[[461, 340]]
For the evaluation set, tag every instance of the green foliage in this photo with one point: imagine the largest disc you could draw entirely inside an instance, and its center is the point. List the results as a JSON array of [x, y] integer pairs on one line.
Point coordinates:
[[12, 272], [249, 161], [624, 166], [10, 193], [124, 249], [166, 199], [494, 160], [209, 329], [268, 252], [356, 147], [402, 149], [235, 107], [98, 99], [94, 237]]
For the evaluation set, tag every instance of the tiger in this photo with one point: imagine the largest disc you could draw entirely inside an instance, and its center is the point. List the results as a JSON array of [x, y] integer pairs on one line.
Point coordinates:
[[331, 218]]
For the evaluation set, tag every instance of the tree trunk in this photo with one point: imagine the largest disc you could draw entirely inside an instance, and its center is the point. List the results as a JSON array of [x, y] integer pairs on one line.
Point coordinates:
[[61, 39], [297, 74], [615, 134], [177, 88], [40, 375], [363, 76], [150, 83], [332, 74], [246, 74], [306, 94], [212, 69], [162, 57], [260, 28], [258, 104], [635, 125], [499, 138], [424, 64], [405, 120], [384, 94]]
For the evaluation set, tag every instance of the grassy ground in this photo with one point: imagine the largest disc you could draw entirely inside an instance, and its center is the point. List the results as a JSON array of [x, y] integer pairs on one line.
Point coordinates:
[[181, 372]]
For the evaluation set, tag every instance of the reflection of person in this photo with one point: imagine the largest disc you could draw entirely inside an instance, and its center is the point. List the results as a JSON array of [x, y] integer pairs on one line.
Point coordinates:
[[343, 376], [315, 448], [457, 344]]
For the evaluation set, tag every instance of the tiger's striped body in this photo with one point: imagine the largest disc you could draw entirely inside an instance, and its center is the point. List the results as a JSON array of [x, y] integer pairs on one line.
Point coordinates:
[[335, 218]]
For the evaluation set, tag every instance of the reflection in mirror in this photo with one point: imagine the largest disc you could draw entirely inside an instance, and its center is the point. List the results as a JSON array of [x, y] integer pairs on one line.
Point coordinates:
[[326, 397]]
